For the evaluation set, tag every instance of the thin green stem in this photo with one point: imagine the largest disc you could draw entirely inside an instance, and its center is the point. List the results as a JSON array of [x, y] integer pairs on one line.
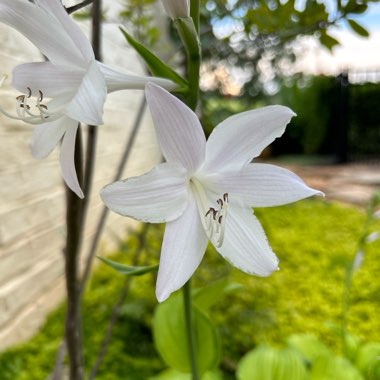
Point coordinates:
[[191, 342], [188, 29], [194, 13], [350, 271]]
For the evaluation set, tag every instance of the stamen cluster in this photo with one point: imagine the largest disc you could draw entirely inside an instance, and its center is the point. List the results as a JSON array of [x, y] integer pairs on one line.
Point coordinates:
[[23, 108], [216, 220]]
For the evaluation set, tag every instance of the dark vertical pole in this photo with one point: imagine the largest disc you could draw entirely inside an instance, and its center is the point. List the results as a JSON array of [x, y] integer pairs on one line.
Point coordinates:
[[342, 119]]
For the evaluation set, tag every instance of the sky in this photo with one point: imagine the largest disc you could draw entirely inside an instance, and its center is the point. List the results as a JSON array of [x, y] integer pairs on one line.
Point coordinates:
[[356, 54]]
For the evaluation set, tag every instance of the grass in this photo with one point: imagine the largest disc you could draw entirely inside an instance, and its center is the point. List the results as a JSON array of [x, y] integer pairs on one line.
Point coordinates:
[[312, 238]]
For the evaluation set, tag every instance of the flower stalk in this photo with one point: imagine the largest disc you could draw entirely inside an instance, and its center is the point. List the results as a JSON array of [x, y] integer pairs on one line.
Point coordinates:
[[189, 36], [74, 218], [188, 29], [191, 341]]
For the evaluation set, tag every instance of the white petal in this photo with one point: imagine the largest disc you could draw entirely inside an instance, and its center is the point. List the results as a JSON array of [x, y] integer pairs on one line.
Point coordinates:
[[240, 138], [69, 173], [52, 80], [182, 251], [41, 29], [123, 80], [178, 129], [55, 8], [158, 196], [46, 137], [245, 245], [177, 8], [87, 104], [260, 185]]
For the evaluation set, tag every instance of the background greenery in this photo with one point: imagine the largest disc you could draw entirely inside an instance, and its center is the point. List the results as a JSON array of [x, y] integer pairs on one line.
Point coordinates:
[[314, 240]]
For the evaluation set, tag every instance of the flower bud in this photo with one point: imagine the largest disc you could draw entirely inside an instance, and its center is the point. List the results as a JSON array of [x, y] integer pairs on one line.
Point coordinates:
[[177, 8]]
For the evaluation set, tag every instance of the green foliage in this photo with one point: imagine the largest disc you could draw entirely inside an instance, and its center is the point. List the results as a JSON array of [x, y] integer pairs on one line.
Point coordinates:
[[128, 269], [357, 28], [313, 239], [309, 346], [333, 367], [364, 132], [170, 336], [260, 33], [155, 64], [267, 363], [307, 98], [139, 18], [314, 130], [172, 374], [367, 360]]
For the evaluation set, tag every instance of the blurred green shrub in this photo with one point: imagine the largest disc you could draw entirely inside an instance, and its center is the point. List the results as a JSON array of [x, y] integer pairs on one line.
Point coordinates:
[[313, 240]]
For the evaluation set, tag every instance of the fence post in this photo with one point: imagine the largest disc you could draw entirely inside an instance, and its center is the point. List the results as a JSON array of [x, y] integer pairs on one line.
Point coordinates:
[[342, 118]]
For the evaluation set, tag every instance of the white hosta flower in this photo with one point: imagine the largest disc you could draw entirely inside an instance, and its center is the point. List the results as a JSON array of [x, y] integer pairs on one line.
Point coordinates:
[[70, 87], [206, 191], [177, 8]]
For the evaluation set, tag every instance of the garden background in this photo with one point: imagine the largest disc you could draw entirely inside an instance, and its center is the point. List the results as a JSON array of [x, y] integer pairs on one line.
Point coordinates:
[[336, 137]]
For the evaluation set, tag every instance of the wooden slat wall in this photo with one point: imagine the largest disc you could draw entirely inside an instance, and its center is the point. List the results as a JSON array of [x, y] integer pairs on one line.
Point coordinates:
[[32, 210]]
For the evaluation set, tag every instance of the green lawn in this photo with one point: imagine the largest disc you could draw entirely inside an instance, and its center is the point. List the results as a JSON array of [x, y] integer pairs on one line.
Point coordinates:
[[313, 239]]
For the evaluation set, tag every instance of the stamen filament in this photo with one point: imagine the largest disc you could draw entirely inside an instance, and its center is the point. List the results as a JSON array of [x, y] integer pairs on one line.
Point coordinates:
[[23, 109], [213, 220]]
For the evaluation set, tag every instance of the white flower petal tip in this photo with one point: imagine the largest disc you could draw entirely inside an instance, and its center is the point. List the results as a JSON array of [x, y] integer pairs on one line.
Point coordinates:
[[237, 140], [176, 8]]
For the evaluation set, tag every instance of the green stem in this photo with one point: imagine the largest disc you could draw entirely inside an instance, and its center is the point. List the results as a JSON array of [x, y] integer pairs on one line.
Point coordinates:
[[194, 14], [350, 271], [190, 39], [190, 330]]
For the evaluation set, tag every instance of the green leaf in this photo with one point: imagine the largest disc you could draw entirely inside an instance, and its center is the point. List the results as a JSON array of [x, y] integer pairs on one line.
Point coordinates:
[[334, 367], [357, 28], [328, 41], [267, 363], [170, 336], [129, 270], [172, 374], [351, 346], [207, 296], [353, 6], [309, 346], [368, 360], [156, 66]]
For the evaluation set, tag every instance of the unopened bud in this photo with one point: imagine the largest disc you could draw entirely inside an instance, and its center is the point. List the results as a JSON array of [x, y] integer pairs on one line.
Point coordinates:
[[358, 261], [372, 237], [177, 8]]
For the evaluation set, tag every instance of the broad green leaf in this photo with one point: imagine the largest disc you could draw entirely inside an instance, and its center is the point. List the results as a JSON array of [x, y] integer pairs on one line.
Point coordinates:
[[170, 336], [328, 41], [129, 270], [156, 65], [357, 28], [268, 363], [334, 367], [207, 296], [308, 345], [172, 374], [351, 344], [368, 360]]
